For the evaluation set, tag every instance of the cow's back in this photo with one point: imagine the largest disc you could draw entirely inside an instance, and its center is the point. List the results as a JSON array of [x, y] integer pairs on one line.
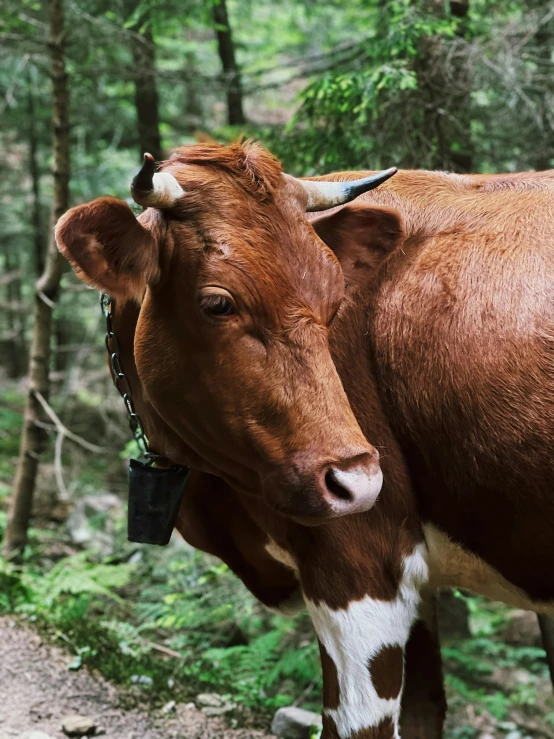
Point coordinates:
[[464, 335]]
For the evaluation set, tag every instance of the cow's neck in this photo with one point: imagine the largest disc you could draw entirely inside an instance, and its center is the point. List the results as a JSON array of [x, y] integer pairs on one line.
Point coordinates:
[[434, 202], [427, 206]]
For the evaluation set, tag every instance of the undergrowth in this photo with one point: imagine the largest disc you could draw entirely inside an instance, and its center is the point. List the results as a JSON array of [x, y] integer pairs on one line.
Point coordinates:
[[169, 626]]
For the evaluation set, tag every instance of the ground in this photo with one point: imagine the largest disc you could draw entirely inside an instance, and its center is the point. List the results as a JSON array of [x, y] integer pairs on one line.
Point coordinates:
[[37, 690]]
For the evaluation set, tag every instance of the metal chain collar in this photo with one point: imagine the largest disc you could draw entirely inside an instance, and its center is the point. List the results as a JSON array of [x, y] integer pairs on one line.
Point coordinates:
[[122, 383]]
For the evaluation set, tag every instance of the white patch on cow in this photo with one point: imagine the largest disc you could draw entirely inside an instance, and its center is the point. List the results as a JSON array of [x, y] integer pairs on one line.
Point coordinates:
[[450, 565], [294, 603], [281, 555], [290, 606], [354, 635]]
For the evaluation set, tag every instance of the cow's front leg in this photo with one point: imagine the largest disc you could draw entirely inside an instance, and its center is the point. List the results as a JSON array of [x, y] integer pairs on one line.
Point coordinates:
[[423, 698], [363, 604]]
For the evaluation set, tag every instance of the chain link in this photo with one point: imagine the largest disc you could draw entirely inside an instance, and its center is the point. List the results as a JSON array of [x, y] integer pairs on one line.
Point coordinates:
[[121, 381]]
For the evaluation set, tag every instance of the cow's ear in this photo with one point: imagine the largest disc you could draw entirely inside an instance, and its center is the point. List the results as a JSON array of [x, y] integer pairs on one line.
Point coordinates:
[[109, 248], [361, 236]]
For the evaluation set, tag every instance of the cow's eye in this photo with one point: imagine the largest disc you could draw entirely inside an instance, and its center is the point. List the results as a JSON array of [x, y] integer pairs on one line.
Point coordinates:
[[217, 305]]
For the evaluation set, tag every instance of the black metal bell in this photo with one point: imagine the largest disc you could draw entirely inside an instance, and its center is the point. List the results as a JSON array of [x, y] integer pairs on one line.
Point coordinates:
[[155, 495]]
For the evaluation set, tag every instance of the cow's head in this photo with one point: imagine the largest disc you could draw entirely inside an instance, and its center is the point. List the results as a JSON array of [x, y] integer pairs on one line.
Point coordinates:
[[237, 292]]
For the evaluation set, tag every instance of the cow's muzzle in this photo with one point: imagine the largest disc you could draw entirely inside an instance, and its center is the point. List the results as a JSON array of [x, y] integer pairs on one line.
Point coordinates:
[[314, 489]]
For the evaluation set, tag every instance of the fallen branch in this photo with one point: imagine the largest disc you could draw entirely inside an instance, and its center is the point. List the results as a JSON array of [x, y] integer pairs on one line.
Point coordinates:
[[58, 466], [163, 650], [63, 429], [8, 277]]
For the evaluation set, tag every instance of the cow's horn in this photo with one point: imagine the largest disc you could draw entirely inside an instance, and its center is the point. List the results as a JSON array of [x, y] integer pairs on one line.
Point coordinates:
[[153, 189], [325, 195]]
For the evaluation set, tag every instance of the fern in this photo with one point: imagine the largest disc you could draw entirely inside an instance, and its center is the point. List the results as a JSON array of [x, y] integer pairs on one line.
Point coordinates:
[[13, 589], [78, 576]]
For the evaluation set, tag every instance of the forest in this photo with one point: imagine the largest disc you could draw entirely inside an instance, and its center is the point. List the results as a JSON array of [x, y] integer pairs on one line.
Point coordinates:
[[88, 86]]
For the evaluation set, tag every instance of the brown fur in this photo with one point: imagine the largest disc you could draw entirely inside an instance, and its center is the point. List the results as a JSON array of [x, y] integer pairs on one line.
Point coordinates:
[[331, 690], [249, 164], [386, 669], [423, 699], [362, 238], [385, 730], [472, 396], [329, 728], [211, 518], [115, 252]]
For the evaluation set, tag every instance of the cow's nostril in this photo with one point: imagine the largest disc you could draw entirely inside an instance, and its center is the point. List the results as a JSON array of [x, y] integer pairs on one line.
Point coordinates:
[[335, 487]]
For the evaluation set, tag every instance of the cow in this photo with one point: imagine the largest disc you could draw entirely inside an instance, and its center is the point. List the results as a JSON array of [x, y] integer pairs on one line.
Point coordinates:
[[365, 395]]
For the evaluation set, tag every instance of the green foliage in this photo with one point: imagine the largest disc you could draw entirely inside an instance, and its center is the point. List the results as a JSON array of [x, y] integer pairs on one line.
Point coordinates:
[[70, 584], [422, 88], [253, 672], [471, 667], [482, 655], [119, 619], [462, 732], [13, 590], [495, 703], [11, 419], [344, 113], [78, 576]]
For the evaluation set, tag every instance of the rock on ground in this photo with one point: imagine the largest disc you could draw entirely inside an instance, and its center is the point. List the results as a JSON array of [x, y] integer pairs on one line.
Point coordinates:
[[37, 692], [294, 723], [76, 725], [213, 704], [83, 523]]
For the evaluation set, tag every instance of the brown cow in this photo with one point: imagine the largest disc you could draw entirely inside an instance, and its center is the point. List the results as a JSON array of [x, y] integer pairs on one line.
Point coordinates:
[[256, 366]]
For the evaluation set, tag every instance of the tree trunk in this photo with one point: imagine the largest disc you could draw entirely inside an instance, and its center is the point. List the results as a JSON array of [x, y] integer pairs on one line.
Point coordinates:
[[143, 50], [231, 71], [194, 110], [46, 289], [542, 47], [547, 632], [453, 616], [444, 87], [38, 235]]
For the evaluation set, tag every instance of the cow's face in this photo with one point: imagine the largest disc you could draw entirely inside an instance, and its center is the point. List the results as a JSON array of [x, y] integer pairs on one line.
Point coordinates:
[[237, 293]]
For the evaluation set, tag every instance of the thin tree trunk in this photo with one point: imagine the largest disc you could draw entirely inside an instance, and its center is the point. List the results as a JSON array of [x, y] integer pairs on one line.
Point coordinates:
[[62, 337], [46, 290], [463, 159], [444, 97], [546, 624], [143, 50], [194, 111], [14, 314], [459, 8], [544, 146], [231, 71], [453, 616], [38, 234]]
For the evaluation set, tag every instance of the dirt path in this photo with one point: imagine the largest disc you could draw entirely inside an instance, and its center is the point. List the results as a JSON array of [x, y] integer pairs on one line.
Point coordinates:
[[37, 691]]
